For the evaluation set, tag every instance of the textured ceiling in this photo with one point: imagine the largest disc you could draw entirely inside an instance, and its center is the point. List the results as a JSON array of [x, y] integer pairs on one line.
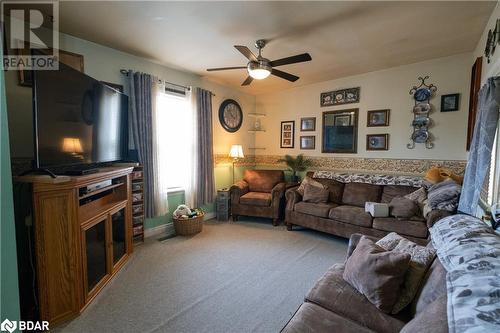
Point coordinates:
[[344, 38]]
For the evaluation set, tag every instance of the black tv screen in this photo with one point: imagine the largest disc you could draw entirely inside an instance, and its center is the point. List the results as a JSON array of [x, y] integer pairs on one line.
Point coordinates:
[[78, 120]]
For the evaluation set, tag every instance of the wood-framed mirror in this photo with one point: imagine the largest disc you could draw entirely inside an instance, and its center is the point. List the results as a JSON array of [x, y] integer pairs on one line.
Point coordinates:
[[340, 131]]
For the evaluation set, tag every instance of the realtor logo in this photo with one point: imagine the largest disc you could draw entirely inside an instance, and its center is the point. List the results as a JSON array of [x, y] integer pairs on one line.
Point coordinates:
[[8, 325], [31, 35]]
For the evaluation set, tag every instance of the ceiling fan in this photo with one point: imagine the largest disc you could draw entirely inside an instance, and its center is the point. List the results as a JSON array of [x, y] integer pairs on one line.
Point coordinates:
[[259, 67]]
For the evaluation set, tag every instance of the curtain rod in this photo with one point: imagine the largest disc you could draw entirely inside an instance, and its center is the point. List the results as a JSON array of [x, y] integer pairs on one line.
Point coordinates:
[[125, 72]]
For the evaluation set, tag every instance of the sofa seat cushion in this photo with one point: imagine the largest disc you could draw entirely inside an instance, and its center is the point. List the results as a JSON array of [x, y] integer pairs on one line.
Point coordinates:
[[352, 215], [402, 227], [256, 199], [315, 209], [312, 318], [356, 194], [333, 293]]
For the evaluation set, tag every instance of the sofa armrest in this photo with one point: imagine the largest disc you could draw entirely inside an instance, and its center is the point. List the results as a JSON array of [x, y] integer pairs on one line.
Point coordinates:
[[353, 242], [237, 190], [436, 215], [278, 191], [292, 197]]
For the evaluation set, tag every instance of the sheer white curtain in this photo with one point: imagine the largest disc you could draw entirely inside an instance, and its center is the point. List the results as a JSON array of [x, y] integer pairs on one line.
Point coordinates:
[[175, 126], [160, 177], [191, 181]]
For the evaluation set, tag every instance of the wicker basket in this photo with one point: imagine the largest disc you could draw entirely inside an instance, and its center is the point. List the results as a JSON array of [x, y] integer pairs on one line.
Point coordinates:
[[187, 227]]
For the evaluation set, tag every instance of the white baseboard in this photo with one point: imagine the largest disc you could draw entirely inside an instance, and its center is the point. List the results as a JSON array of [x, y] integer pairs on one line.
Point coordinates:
[[168, 228]]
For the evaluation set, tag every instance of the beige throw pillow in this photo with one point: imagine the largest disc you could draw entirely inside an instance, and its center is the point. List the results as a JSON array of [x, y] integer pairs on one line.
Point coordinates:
[[390, 241], [308, 180], [421, 258]]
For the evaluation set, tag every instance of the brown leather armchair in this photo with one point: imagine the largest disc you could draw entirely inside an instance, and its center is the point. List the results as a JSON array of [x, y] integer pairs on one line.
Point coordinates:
[[260, 193]]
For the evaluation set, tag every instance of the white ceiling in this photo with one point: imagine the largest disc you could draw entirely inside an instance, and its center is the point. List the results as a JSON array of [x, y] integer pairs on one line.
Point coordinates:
[[343, 37]]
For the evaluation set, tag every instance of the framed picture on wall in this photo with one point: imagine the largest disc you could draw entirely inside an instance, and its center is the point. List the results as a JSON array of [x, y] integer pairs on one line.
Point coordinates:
[[377, 118], [287, 134], [308, 124], [449, 102], [308, 142], [377, 142]]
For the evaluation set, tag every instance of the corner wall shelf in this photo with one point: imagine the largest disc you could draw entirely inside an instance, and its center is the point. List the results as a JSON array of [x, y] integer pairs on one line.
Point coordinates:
[[255, 148], [257, 114], [254, 131]]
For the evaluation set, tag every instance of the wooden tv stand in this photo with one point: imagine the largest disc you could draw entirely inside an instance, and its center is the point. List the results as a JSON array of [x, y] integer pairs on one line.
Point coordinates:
[[81, 239]]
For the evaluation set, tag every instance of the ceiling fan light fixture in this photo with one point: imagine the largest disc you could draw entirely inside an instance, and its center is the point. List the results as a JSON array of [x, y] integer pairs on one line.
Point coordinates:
[[258, 70]]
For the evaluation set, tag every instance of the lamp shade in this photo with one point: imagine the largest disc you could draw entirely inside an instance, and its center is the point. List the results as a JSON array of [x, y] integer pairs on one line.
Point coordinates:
[[236, 151], [72, 145]]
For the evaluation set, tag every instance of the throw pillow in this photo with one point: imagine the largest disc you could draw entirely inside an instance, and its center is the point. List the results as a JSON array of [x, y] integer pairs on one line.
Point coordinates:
[[447, 191], [315, 194], [308, 180], [376, 273], [419, 196], [420, 259], [389, 242], [403, 207]]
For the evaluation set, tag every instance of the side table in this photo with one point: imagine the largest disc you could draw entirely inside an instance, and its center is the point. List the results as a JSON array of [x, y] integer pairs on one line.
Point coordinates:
[[223, 204]]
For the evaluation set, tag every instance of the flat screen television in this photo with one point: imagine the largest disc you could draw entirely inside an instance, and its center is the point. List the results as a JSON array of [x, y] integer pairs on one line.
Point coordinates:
[[79, 121]]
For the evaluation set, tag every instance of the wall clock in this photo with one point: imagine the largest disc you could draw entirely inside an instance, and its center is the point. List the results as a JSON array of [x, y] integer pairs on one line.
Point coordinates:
[[230, 115]]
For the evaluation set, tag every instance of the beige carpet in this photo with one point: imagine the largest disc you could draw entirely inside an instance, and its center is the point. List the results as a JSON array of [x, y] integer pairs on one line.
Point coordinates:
[[246, 276]]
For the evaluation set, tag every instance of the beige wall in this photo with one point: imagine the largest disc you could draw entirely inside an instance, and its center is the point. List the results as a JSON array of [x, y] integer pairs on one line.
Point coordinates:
[[492, 68], [386, 89]]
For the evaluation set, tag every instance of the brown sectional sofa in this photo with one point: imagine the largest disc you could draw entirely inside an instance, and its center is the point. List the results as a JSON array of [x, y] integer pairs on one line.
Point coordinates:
[[333, 305], [344, 213]]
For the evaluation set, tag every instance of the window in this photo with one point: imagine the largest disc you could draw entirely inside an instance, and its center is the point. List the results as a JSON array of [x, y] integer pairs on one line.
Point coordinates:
[[174, 135]]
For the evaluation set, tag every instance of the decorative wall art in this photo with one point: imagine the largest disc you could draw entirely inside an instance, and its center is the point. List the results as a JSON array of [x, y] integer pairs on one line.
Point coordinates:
[[376, 118], [377, 142], [491, 42], [308, 124], [340, 131], [339, 97], [421, 121], [450, 102], [287, 134], [308, 142], [475, 85]]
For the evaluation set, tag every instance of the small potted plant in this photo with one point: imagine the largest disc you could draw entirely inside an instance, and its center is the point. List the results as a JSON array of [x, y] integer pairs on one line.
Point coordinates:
[[296, 164]]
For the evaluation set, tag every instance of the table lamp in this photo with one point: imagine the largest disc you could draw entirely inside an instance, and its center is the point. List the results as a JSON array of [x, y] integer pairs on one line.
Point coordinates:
[[235, 153], [72, 146]]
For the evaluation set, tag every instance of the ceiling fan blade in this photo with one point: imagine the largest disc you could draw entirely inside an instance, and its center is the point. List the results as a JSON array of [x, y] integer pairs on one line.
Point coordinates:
[[246, 52], [247, 81], [284, 75], [291, 60], [225, 68]]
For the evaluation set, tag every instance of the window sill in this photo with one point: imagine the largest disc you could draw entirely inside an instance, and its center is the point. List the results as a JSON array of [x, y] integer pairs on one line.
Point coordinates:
[[175, 190]]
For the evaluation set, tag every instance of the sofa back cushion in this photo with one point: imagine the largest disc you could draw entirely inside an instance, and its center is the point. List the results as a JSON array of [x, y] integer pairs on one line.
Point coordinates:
[[263, 180], [391, 191], [433, 286], [431, 319], [356, 194], [334, 187], [315, 194]]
